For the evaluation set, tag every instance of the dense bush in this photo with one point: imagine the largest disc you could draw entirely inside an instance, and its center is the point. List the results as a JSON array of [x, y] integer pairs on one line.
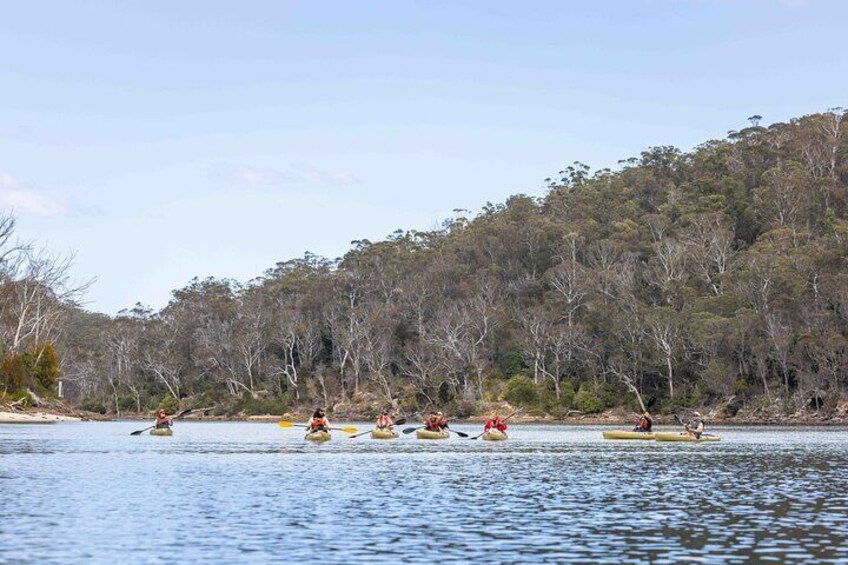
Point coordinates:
[[43, 366], [520, 391], [93, 405], [587, 400], [170, 404], [13, 376], [250, 406]]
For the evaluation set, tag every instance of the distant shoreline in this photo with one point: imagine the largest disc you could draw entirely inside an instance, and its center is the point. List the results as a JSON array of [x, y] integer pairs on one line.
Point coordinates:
[[43, 415], [270, 419]]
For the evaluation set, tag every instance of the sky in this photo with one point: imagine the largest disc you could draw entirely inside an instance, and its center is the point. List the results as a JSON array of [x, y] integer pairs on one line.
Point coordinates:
[[159, 141]]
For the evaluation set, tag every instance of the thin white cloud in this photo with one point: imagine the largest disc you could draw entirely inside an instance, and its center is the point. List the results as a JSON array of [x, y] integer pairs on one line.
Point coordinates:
[[298, 173], [21, 199], [313, 175]]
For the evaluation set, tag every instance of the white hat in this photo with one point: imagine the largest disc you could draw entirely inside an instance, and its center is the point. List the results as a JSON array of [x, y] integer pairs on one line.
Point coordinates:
[[697, 414]]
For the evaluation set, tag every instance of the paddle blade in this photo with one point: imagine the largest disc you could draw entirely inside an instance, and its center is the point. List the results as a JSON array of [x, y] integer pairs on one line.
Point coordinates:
[[348, 430], [409, 430], [137, 433], [400, 422], [461, 434], [284, 424]]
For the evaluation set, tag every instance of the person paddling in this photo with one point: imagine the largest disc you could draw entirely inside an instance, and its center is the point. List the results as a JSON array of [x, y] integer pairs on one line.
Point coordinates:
[[646, 423], [696, 426], [443, 421], [162, 420], [384, 422], [433, 422], [319, 422], [495, 421]]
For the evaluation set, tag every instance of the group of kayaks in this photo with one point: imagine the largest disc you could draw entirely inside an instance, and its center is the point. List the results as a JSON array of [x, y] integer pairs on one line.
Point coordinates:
[[377, 433], [659, 436]]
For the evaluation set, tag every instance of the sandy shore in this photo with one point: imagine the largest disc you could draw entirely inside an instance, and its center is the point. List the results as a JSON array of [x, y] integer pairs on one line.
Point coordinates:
[[34, 418]]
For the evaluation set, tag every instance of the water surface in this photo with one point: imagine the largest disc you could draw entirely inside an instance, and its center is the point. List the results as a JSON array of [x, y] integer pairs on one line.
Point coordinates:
[[256, 493]]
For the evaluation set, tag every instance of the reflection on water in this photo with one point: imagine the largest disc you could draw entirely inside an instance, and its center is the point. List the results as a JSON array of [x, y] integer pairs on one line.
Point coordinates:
[[552, 494]]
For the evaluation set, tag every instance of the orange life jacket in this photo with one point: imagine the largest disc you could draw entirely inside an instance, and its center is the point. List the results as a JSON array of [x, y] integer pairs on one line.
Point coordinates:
[[318, 423], [384, 422]]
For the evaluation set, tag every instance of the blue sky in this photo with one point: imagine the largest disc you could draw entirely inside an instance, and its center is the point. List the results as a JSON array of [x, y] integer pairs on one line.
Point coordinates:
[[165, 140]]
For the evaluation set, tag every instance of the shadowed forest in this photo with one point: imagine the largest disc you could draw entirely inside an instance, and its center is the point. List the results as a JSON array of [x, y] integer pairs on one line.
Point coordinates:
[[714, 278]]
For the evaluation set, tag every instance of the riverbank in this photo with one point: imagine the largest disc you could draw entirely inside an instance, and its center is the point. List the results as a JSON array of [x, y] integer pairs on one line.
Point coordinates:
[[34, 418], [607, 418], [45, 414]]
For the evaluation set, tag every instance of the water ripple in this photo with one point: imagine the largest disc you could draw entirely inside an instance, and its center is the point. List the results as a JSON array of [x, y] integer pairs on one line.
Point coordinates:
[[253, 493]]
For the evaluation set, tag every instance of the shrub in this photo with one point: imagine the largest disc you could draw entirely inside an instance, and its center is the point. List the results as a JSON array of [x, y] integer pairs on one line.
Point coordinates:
[[520, 391], [169, 403], [587, 400], [127, 403], [460, 409], [43, 366], [13, 376], [251, 406], [93, 405], [557, 407]]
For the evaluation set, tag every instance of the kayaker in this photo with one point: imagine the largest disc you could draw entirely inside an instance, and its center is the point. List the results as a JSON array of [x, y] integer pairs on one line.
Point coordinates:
[[162, 420], [443, 421], [495, 421], [696, 426], [646, 423], [433, 422], [384, 422], [319, 422]]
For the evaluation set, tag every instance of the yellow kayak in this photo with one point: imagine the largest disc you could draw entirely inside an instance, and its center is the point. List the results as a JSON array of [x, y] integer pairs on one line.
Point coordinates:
[[627, 434], [319, 436], [494, 435], [683, 436], [161, 432], [427, 434], [383, 434]]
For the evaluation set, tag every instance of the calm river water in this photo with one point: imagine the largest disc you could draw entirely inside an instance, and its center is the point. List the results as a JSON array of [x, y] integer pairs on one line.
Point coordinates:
[[256, 493]]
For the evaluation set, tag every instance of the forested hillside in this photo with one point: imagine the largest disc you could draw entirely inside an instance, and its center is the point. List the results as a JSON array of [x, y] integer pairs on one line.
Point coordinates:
[[712, 278]]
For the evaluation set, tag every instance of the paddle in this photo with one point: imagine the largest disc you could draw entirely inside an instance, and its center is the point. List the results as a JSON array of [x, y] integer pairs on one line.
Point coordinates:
[[177, 417], [410, 430], [400, 422], [679, 421], [505, 419], [285, 424], [460, 434]]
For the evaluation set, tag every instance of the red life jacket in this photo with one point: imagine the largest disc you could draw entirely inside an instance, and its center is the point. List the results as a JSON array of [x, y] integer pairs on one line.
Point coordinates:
[[384, 422], [433, 425]]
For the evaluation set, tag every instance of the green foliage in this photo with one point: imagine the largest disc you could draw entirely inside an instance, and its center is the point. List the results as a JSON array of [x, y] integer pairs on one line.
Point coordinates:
[[588, 401], [520, 391], [461, 409], [257, 406], [13, 376], [556, 407], [127, 404], [43, 366], [170, 404], [701, 274], [93, 405]]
